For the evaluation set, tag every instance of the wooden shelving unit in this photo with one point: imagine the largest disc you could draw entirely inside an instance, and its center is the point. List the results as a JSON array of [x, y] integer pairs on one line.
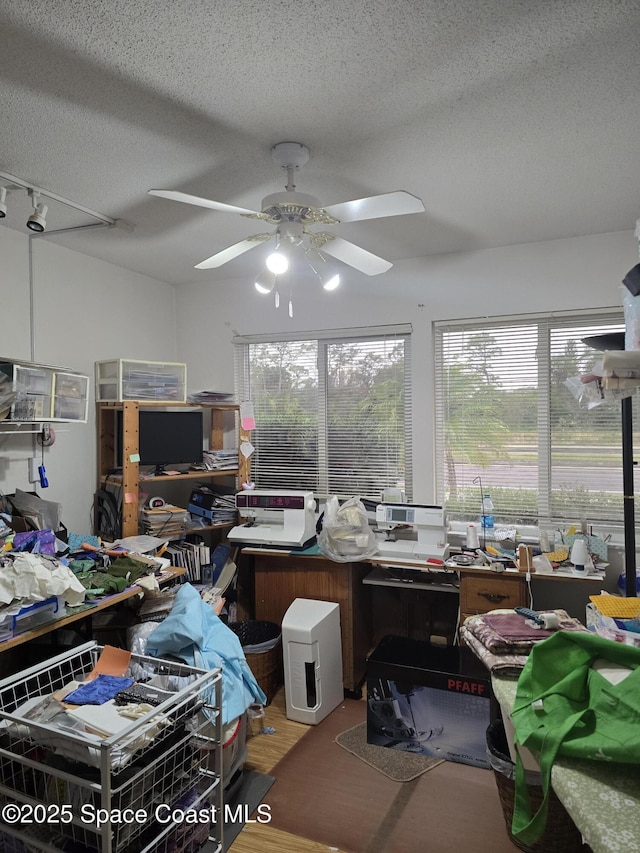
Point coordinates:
[[130, 480]]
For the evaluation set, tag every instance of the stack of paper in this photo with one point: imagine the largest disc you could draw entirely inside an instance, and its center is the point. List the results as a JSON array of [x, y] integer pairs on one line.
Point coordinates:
[[168, 522], [201, 397], [215, 460]]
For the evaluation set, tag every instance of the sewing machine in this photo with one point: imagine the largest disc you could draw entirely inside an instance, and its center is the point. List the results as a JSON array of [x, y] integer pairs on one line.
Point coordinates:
[[414, 532], [279, 518]]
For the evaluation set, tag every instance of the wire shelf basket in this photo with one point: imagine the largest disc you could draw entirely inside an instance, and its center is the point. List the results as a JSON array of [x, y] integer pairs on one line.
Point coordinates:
[[125, 792]]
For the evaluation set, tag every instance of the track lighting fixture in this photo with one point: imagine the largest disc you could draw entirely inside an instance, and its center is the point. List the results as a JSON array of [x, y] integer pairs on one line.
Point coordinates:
[[37, 221]]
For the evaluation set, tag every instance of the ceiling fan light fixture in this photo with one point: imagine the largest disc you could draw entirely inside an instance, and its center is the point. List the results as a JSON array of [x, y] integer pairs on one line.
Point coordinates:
[[277, 263], [265, 282], [331, 282], [329, 277]]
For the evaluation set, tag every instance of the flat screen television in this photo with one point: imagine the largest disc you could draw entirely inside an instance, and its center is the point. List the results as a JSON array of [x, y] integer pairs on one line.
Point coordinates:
[[166, 438]]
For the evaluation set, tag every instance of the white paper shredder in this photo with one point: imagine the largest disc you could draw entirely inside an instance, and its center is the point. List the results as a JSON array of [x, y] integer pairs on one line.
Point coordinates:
[[312, 653]]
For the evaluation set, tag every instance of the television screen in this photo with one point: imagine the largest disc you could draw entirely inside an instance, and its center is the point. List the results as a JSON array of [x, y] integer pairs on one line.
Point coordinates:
[[166, 438]]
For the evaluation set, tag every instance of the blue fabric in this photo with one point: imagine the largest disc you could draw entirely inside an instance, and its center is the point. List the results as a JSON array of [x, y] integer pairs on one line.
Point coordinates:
[[99, 690], [193, 632]]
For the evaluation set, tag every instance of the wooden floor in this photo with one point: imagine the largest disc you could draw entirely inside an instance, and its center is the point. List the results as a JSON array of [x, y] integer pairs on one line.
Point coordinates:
[[264, 752]]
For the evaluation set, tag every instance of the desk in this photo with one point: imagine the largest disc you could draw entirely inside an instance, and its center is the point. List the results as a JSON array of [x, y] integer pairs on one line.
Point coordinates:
[[101, 604], [602, 799], [282, 576], [480, 590], [420, 608]]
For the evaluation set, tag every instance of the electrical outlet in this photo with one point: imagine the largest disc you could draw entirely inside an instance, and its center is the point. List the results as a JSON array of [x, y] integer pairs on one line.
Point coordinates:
[[34, 474]]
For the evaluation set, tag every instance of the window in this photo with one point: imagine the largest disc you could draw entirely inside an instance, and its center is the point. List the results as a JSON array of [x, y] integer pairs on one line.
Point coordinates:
[[332, 410], [507, 423]]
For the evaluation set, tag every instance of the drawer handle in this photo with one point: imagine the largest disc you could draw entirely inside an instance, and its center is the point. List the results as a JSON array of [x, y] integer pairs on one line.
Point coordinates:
[[494, 596]]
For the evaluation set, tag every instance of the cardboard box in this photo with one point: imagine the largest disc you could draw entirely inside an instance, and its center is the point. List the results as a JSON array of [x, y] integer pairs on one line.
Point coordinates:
[[428, 699]]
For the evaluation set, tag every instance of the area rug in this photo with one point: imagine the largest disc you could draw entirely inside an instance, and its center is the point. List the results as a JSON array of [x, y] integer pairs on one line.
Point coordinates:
[[324, 793], [396, 764]]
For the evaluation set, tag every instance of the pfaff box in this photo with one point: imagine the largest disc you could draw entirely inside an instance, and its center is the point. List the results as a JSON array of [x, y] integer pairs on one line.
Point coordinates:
[[430, 700]]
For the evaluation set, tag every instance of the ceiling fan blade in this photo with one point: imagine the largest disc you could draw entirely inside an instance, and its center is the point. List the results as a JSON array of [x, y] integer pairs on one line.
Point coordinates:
[[232, 252], [355, 256], [376, 206], [173, 195]]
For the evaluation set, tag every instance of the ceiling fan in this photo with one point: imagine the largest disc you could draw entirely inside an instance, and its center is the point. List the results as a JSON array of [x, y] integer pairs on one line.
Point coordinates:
[[292, 212]]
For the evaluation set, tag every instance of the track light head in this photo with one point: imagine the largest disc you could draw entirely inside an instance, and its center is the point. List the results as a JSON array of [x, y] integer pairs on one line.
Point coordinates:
[[37, 221], [3, 202]]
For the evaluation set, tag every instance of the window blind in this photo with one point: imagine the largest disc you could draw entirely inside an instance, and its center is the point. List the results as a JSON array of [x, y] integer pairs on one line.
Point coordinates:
[[507, 424], [332, 411]]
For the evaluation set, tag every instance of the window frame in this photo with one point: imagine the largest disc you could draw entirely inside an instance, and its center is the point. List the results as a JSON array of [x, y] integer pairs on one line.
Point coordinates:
[[325, 339], [546, 323]]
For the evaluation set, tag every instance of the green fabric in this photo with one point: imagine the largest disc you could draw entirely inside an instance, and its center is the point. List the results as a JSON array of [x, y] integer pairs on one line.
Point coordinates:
[[80, 567], [104, 581], [564, 707], [128, 568]]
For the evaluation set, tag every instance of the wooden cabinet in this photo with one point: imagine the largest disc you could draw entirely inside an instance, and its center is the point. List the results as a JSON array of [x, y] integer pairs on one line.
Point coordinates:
[[278, 580], [484, 590], [128, 482]]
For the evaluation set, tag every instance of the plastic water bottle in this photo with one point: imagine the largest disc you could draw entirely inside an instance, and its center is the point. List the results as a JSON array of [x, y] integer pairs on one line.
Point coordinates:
[[487, 519]]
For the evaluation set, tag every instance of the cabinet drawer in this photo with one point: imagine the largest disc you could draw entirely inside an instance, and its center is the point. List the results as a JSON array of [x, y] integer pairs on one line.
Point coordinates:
[[481, 593]]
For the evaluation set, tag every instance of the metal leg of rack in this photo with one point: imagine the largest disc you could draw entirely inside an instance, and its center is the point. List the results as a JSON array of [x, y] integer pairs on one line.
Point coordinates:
[[628, 490]]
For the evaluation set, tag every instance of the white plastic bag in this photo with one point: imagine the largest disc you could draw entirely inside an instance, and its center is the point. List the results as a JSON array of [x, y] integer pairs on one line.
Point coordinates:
[[345, 534]]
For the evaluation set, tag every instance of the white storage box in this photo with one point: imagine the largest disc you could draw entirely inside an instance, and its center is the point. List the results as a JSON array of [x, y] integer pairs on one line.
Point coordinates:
[[128, 379], [45, 393]]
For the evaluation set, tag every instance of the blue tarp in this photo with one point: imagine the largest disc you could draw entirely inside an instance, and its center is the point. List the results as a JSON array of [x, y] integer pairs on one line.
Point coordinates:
[[194, 633]]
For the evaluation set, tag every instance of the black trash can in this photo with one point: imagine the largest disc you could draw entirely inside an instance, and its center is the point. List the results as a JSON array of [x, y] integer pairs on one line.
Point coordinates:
[[561, 834], [261, 642]]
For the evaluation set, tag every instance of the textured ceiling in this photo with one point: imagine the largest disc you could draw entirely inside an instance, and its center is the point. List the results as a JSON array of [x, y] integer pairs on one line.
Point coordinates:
[[513, 120]]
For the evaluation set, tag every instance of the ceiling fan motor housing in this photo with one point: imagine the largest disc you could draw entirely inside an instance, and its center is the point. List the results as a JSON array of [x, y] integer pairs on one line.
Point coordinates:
[[290, 154], [293, 207]]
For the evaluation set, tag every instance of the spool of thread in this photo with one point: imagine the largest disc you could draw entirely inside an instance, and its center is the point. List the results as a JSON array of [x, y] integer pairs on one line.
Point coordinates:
[[472, 537], [525, 558], [550, 621]]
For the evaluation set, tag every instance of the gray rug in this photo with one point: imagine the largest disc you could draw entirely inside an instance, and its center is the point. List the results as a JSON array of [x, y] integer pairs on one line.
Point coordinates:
[[249, 791], [396, 764]]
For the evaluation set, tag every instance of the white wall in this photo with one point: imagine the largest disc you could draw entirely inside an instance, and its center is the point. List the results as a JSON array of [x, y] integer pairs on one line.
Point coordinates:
[[84, 310]]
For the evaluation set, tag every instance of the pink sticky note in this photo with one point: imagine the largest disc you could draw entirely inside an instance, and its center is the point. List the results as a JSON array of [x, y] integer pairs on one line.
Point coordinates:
[[247, 420], [129, 498]]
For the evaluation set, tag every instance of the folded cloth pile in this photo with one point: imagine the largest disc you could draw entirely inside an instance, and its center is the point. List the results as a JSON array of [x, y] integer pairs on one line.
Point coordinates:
[[502, 639]]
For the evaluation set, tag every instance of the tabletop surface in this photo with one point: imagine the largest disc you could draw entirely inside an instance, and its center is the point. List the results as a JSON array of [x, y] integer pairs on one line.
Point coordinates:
[[603, 799]]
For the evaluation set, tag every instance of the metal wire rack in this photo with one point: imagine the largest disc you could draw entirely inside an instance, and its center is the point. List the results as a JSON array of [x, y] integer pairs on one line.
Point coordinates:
[[153, 787]]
